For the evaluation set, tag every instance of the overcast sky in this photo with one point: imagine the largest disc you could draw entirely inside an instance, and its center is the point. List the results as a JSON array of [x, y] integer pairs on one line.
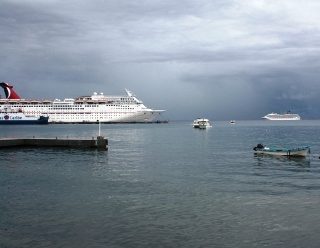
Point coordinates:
[[221, 59]]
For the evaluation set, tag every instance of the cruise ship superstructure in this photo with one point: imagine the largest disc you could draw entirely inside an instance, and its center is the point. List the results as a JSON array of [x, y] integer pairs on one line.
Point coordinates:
[[84, 109], [282, 117]]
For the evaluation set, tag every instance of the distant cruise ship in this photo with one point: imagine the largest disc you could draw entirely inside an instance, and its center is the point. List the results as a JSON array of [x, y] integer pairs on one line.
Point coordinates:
[[282, 117], [84, 109]]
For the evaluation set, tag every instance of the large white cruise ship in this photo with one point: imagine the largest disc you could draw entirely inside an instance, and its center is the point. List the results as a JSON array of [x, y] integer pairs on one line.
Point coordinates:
[[282, 117], [84, 109]]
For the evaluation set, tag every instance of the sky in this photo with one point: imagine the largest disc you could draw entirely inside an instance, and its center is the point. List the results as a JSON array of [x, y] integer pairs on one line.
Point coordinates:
[[219, 59]]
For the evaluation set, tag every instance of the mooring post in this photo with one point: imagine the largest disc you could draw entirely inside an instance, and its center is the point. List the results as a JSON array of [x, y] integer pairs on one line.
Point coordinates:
[[101, 143], [99, 129]]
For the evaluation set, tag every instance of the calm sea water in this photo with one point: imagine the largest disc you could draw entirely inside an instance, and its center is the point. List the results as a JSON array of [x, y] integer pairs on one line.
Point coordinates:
[[162, 185]]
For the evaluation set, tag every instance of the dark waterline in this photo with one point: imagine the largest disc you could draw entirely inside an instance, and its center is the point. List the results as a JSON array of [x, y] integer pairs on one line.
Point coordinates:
[[162, 185]]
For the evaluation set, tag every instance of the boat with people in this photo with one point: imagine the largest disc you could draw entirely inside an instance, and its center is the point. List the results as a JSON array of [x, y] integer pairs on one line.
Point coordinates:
[[84, 109], [13, 117], [282, 117], [201, 123], [301, 151]]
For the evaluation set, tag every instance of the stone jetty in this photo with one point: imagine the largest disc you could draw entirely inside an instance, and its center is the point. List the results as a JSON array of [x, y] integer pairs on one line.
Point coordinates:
[[100, 142]]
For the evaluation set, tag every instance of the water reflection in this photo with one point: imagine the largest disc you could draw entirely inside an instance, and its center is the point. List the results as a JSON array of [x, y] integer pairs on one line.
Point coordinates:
[[267, 160]]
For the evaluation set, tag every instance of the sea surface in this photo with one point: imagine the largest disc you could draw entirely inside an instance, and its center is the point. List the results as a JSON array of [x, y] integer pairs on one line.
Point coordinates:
[[162, 185]]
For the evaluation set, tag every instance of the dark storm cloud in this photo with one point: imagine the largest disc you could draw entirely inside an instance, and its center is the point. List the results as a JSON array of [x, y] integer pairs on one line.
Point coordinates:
[[43, 48], [239, 59], [23, 26]]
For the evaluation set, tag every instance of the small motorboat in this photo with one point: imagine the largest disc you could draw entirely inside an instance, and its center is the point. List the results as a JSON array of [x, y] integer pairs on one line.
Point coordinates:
[[232, 122], [201, 123], [301, 151]]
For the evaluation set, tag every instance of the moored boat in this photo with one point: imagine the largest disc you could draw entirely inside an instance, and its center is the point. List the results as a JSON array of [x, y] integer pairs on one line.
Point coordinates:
[[301, 151]]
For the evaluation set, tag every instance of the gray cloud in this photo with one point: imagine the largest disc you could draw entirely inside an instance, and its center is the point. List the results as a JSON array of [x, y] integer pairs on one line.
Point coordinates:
[[221, 59]]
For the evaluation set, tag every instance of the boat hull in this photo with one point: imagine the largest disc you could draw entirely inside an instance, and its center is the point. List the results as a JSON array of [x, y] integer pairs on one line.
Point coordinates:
[[281, 119], [201, 126], [42, 120], [289, 153], [137, 117]]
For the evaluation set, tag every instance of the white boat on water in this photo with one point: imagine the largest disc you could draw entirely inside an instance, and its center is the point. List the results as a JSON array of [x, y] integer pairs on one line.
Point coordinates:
[[83, 109], [282, 117], [201, 123], [232, 122], [301, 151]]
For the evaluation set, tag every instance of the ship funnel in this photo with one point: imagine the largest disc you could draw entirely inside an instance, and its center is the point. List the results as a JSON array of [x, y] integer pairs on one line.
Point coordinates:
[[8, 90]]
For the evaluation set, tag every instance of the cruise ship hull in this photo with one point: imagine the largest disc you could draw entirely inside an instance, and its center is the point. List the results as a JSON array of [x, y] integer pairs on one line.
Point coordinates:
[[144, 117], [21, 119]]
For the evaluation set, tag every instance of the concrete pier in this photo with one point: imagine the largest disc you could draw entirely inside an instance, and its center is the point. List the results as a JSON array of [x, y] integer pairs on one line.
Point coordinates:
[[100, 142]]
